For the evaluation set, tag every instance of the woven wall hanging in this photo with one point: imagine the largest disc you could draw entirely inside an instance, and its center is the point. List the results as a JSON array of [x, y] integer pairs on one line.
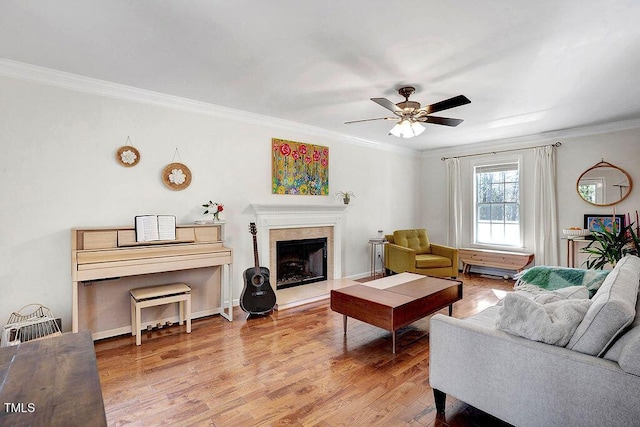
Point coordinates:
[[127, 155], [176, 175]]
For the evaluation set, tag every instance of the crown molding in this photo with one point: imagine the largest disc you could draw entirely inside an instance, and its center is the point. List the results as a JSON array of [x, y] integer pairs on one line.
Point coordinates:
[[89, 85], [48, 76], [521, 141]]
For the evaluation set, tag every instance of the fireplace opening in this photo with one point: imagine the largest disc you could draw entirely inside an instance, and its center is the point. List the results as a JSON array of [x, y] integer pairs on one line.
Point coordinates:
[[299, 262]]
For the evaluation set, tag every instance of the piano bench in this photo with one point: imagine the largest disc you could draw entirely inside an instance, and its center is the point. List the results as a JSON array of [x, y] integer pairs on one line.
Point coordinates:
[[158, 295]]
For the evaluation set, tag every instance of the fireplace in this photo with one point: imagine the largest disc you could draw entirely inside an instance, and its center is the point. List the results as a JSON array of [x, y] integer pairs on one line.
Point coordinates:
[[299, 262], [299, 222]]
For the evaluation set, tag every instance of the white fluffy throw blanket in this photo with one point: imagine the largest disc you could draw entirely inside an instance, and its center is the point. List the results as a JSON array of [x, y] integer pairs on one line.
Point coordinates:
[[551, 323]]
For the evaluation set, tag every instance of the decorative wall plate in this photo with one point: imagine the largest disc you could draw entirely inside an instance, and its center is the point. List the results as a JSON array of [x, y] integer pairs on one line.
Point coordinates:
[[176, 176], [128, 156]]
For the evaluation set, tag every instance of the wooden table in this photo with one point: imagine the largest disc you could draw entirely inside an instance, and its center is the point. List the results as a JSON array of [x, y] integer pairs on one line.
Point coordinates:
[[51, 382], [395, 301]]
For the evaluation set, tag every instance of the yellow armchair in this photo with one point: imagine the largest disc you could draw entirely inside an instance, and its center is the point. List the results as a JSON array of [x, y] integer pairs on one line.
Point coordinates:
[[411, 250]]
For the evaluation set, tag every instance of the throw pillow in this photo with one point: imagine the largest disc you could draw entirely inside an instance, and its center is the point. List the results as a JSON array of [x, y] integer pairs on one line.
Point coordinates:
[[551, 323], [613, 309]]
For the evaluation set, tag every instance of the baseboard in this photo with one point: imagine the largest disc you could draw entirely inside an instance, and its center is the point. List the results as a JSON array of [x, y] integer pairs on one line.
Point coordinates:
[[358, 276]]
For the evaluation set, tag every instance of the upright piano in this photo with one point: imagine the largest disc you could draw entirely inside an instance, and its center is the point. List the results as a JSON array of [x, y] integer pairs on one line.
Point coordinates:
[[112, 252]]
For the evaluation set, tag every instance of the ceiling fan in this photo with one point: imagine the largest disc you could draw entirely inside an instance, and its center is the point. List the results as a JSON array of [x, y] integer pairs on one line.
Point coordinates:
[[410, 115]]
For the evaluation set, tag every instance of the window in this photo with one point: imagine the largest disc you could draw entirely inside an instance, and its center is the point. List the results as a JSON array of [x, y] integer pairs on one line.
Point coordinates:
[[497, 204]]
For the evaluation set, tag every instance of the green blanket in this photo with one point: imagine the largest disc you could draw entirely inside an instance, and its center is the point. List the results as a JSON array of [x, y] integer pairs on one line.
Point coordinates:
[[551, 278]]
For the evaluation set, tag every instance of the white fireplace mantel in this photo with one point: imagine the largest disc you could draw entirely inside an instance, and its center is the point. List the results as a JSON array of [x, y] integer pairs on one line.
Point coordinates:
[[282, 216]]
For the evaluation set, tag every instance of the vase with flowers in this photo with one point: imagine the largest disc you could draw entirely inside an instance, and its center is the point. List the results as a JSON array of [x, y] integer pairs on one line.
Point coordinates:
[[213, 208]]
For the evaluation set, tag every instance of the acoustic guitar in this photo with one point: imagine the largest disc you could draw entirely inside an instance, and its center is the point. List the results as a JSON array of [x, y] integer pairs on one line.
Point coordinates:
[[257, 296]]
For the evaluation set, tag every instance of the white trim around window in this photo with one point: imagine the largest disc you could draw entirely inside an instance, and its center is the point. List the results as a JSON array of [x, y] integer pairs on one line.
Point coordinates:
[[502, 207]]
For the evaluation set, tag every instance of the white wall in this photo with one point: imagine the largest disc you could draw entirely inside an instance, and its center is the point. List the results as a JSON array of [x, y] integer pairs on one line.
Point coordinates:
[[59, 171], [576, 154]]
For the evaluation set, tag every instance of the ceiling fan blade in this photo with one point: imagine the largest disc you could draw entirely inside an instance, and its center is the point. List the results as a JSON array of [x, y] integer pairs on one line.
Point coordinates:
[[384, 102], [369, 120], [441, 121], [456, 101]]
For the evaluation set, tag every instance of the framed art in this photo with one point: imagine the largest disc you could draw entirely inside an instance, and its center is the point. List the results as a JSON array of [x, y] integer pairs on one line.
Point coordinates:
[[603, 222], [299, 168]]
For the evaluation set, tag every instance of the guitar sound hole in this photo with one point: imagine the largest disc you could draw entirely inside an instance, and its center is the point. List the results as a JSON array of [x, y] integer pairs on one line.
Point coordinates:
[[257, 280]]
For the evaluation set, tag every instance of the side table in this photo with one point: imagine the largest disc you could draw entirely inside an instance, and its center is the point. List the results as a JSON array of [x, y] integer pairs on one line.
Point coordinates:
[[377, 250], [574, 249]]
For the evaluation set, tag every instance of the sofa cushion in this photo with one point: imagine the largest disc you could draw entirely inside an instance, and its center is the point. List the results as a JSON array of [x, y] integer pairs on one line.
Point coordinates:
[[629, 360], [418, 240], [432, 261], [542, 297], [613, 309], [626, 349], [486, 318], [551, 323]]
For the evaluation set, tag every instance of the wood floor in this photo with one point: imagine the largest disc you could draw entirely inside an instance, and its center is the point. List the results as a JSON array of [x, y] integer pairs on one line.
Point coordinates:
[[294, 367]]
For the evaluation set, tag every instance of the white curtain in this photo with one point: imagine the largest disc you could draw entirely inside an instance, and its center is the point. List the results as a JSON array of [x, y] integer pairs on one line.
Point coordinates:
[[546, 238], [455, 202]]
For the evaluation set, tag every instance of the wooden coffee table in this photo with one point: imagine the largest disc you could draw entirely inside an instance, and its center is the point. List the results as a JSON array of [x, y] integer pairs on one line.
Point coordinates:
[[395, 301]]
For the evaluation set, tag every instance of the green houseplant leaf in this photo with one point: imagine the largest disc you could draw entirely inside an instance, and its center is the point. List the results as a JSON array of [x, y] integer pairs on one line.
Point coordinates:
[[608, 247]]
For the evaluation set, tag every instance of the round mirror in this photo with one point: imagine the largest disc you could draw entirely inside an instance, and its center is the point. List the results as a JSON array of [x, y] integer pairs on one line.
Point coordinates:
[[604, 184]]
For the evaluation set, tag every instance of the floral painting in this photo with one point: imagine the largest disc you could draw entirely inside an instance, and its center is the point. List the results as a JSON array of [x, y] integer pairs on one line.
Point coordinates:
[[300, 168]]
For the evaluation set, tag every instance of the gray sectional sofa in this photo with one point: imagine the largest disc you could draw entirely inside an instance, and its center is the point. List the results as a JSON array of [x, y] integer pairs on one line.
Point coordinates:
[[592, 381]]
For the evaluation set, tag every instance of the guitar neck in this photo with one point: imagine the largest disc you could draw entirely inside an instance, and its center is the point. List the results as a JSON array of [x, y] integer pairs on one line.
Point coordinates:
[[255, 252]]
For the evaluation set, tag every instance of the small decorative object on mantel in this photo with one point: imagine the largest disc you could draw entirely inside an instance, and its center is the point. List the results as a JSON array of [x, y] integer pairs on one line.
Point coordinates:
[[128, 155], [176, 176], [345, 196], [213, 208]]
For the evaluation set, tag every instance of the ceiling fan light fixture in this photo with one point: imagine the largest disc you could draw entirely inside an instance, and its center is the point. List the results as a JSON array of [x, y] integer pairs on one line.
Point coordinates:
[[417, 128], [411, 116], [406, 128]]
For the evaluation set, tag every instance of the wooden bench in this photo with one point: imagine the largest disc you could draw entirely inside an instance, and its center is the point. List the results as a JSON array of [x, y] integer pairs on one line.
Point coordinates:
[[491, 258], [159, 295]]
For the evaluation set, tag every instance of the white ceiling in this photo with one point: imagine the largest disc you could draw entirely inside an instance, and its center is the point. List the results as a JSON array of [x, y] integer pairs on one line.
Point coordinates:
[[527, 67]]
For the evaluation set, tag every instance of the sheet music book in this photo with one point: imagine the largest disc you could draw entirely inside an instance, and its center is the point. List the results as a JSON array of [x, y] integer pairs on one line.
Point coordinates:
[[155, 227]]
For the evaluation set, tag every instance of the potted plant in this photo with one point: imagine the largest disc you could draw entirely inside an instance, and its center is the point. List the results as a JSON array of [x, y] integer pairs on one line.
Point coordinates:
[[345, 196], [609, 246]]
